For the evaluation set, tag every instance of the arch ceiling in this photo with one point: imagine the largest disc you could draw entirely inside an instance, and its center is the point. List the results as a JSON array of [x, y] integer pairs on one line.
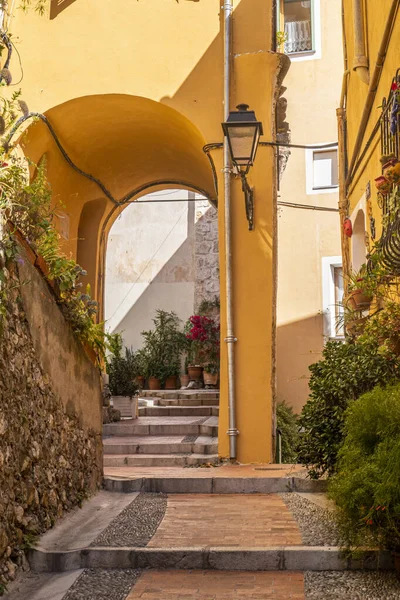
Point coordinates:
[[127, 142]]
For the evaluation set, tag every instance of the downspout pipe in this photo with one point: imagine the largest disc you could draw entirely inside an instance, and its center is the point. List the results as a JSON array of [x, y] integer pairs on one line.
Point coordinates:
[[360, 63], [373, 86], [230, 338]]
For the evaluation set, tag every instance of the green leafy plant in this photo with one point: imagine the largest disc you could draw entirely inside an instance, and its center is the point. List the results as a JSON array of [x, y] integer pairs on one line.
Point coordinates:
[[121, 368], [163, 346], [366, 486], [286, 422], [281, 38], [346, 371]]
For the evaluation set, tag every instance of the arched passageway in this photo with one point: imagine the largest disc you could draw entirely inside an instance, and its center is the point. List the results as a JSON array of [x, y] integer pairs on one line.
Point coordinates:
[[123, 146]]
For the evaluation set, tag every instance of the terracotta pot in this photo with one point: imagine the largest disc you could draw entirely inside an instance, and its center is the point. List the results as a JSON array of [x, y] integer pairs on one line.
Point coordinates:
[[357, 300], [195, 373], [41, 264], [140, 381], [154, 383], [356, 327], [90, 353], [30, 253], [184, 380], [382, 184], [210, 378], [171, 383]]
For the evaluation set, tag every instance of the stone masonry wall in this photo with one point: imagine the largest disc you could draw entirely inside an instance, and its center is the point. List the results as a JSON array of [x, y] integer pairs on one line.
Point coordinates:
[[206, 253], [49, 458]]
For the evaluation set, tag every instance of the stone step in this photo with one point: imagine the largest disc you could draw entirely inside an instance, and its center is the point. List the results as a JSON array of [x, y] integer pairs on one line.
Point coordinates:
[[159, 445], [181, 411], [186, 402], [290, 558], [164, 425], [157, 460], [180, 394]]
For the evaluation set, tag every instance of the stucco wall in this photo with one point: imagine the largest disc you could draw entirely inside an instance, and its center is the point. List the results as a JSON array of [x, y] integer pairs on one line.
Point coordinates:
[[305, 236], [50, 425], [160, 255]]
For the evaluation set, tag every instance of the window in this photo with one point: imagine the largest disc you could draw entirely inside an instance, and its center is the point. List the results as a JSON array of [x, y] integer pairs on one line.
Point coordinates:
[[321, 171], [332, 296], [325, 169], [296, 20]]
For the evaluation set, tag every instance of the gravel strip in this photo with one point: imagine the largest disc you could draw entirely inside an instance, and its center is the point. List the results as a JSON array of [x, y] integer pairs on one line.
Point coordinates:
[[101, 584], [136, 524], [351, 585], [317, 525]]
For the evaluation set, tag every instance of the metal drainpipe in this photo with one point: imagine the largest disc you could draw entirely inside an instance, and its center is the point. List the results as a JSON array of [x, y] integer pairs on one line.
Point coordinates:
[[360, 64], [230, 338]]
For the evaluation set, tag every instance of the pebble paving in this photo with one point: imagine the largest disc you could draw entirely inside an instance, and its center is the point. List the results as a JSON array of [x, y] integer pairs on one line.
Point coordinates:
[[101, 584], [317, 525], [347, 585], [136, 524]]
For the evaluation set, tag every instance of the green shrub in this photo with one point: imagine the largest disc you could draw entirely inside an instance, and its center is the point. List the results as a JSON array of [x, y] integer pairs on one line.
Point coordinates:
[[366, 486], [121, 368], [286, 422], [346, 371]]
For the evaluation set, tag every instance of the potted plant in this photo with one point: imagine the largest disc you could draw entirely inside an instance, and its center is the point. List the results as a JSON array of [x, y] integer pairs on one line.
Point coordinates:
[[203, 335], [163, 347], [120, 368]]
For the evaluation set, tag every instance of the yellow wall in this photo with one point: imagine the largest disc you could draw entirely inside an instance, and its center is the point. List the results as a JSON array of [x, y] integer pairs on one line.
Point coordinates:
[[305, 236], [134, 90], [376, 15]]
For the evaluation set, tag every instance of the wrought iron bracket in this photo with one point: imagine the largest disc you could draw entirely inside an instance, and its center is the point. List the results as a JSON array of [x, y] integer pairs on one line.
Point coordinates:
[[248, 200]]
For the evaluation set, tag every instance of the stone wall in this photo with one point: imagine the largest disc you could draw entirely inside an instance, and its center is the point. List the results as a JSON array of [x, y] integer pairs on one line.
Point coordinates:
[[50, 441], [206, 253]]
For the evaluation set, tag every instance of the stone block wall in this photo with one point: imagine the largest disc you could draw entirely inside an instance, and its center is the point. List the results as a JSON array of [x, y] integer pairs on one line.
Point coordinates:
[[206, 253], [50, 441]]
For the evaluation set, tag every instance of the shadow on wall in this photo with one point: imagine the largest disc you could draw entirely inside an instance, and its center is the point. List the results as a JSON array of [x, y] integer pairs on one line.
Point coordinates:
[[179, 285], [298, 345], [57, 6]]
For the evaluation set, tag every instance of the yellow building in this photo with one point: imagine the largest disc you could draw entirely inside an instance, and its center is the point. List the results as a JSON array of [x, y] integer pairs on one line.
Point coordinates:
[[368, 119], [132, 92], [309, 254]]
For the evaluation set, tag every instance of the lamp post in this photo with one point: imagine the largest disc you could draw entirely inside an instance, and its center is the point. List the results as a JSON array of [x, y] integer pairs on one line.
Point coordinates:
[[243, 132]]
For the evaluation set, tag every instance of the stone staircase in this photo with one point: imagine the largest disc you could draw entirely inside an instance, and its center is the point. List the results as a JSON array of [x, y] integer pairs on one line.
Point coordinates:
[[174, 429]]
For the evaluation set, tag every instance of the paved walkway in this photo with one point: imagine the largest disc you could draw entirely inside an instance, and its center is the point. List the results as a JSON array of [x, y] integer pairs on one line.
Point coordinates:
[[236, 471], [226, 521], [225, 585]]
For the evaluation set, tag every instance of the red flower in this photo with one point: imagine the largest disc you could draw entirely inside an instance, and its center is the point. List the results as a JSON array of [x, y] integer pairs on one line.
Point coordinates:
[[395, 86]]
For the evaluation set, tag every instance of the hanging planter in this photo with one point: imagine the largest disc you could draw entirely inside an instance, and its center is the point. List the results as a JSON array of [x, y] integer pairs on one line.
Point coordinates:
[[359, 300], [382, 184]]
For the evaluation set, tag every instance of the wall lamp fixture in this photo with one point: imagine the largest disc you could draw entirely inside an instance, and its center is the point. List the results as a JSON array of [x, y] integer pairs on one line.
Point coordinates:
[[243, 131]]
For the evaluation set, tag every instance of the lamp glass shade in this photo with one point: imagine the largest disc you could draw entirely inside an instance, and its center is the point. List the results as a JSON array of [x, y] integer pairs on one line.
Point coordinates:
[[243, 141], [243, 133]]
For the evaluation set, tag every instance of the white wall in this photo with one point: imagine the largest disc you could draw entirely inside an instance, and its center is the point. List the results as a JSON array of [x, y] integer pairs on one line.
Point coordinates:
[[150, 264]]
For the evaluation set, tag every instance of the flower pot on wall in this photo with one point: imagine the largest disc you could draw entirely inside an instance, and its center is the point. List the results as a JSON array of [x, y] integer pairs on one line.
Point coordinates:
[[154, 383], [210, 378], [171, 383], [358, 300], [195, 373], [184, 380]]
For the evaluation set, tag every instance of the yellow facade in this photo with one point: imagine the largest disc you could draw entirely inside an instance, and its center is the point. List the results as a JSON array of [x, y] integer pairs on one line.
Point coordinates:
[[133, 91], [379, 29]]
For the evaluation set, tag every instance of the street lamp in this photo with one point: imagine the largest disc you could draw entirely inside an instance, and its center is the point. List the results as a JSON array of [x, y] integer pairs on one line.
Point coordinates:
[[243, 131]]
